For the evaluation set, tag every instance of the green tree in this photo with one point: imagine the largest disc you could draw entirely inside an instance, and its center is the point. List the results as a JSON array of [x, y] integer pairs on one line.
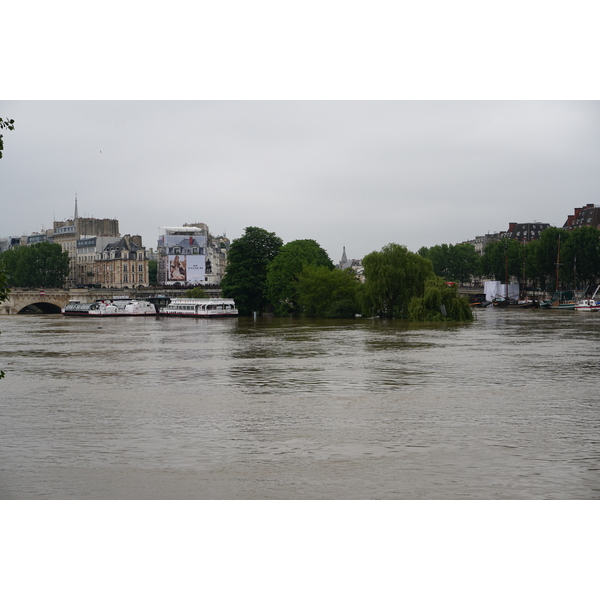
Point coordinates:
[[498, 255], [439, 302], [152, 272], [246, 278], [392, 277], [196, 292], [40, 265], [282, 274], [458, 262], [552, 244], [580, 254], [440, 259], [326, 293], [5, 124], [464, 262]]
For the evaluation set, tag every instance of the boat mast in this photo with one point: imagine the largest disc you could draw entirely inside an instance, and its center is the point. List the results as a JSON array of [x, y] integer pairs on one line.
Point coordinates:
[[506, 267], [557, 267]]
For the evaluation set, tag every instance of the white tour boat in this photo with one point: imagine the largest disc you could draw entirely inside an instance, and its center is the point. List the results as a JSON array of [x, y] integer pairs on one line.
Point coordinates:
[[200, 307], [111, 308]]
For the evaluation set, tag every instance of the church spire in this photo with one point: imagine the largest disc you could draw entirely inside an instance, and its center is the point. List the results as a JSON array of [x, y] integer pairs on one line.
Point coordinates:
[[344, 259], [76, 216]]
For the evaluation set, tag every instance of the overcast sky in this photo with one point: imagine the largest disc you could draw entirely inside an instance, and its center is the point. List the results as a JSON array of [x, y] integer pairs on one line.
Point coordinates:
[[344, 173]]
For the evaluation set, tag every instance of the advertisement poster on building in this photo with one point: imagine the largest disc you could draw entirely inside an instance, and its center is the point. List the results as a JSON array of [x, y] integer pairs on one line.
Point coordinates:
[[176, 270], [183, 269], [195, 268]]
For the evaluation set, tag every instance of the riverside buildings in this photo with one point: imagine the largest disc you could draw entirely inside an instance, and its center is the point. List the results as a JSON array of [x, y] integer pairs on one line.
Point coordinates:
[[67, 233], [523, 232]]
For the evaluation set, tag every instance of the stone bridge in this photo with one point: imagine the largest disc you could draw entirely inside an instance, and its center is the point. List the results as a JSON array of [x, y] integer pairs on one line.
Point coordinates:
[[52, 301], [41, 301]]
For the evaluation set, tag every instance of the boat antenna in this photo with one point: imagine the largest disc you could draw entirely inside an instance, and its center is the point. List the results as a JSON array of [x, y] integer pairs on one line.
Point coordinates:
[[558, 264]]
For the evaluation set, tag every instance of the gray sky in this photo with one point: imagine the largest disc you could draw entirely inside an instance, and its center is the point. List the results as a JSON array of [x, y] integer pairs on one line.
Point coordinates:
[[355, 173]]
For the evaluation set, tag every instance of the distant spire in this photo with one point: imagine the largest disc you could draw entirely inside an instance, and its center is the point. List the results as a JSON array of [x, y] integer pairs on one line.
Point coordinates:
[[344, 259], [75, 216]]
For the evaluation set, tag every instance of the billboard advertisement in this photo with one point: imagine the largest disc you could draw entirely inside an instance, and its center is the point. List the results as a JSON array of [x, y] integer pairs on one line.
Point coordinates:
[[185, 268]]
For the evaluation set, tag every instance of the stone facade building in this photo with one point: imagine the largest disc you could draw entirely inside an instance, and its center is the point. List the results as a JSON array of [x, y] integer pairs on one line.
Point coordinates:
[[122, 264], [88, 248]]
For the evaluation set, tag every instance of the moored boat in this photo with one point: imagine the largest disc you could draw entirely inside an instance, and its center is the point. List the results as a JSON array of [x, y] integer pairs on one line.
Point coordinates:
[[200, 307], [588, 304], [110, 308], [504, 303]]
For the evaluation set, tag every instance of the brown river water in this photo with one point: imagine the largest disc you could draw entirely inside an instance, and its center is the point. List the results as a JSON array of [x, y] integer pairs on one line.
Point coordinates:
[[506, 407]]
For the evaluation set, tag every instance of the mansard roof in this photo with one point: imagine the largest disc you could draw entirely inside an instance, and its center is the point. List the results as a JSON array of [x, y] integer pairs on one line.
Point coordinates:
[[526, 232]]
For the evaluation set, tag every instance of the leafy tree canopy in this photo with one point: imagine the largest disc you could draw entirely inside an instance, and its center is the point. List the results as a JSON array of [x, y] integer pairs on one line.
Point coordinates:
[[326, 293], [495, 257], [196, 292], [392, 277], [5, 124], [439, 302], [283, 272], [246, 278], [40, 265], [453, 263], [580, 256], [152, 272]]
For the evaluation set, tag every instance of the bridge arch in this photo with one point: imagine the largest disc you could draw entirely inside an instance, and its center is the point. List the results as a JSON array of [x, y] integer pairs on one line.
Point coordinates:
[[45, 307], [51, 301]]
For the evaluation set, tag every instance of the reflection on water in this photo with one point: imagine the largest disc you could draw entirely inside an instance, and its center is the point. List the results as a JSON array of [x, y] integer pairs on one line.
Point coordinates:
[[504, 407]]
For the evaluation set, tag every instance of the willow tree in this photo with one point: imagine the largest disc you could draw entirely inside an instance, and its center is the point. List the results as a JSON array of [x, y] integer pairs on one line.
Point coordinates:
[[439, 302], [393, 276]]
